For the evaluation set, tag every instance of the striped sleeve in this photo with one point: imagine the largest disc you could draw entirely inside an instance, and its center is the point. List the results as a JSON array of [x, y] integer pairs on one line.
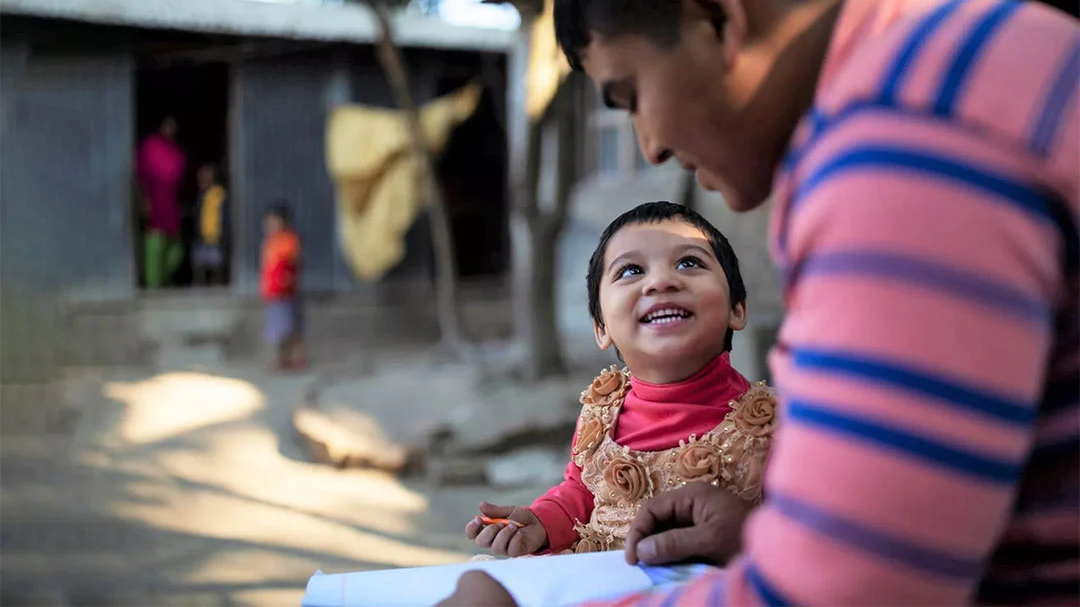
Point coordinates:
[[924, 268], [925, 265]]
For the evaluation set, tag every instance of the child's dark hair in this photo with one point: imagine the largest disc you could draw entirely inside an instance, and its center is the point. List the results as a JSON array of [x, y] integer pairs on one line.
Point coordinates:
[[655, 212], [281, 210], [657, 20], [214, 170]]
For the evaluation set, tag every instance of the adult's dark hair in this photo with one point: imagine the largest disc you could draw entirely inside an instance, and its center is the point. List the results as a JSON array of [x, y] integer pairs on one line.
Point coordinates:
[[1071, 7], [658, 20], [656, 212], [281, 210]]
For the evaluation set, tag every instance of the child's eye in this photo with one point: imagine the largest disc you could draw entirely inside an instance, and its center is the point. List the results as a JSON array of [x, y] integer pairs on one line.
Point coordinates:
[[689, 262], [628, 271]]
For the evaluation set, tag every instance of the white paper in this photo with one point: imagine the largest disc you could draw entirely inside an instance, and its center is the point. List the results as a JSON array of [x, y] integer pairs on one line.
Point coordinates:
[[549, 581]]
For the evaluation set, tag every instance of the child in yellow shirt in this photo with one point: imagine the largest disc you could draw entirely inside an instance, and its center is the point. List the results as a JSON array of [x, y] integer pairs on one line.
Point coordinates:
[[208, 256]]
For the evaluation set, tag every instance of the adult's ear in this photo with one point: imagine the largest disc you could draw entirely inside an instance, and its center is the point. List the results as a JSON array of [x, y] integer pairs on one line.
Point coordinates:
[[728, 21]]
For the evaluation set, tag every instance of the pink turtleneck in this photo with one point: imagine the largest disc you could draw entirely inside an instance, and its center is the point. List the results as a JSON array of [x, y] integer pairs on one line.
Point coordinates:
[[653, 417]]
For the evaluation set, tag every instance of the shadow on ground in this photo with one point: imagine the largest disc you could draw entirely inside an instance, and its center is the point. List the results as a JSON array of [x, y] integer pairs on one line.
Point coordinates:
[[184, 488]]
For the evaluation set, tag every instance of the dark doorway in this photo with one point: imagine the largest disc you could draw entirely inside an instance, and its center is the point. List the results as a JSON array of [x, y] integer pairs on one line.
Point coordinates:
[[472, 169], [197, 96]]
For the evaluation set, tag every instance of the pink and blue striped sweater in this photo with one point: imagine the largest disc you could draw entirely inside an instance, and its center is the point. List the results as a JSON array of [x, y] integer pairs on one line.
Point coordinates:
[[929, 364]]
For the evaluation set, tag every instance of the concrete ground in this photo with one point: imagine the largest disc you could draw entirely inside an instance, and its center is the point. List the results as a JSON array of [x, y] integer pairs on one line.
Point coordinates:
[[184, 487]]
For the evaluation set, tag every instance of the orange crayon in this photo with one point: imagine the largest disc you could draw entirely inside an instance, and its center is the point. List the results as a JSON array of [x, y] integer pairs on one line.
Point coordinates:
[[500, 521]]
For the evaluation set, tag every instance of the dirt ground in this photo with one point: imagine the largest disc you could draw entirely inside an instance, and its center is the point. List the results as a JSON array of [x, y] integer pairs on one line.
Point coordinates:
[[185, 487]]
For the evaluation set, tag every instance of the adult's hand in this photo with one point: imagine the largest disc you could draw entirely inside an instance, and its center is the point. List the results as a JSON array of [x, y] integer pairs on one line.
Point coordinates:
[[478, 589], [695, 522]]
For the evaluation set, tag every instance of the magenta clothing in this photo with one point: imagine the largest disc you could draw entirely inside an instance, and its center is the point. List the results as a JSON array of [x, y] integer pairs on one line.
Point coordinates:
[[927, 449], [653, 417], [160, 169]]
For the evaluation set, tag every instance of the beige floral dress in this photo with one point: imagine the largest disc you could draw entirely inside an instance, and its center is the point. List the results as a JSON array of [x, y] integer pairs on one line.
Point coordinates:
[[731, 456]]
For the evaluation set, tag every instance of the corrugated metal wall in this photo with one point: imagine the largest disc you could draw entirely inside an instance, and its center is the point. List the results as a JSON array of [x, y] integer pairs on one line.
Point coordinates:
[[65, 180], [280, 108], [279, 123], [65, 177]]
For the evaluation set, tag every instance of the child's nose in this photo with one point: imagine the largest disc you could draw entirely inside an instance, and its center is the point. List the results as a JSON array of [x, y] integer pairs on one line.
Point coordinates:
[[661, 281]]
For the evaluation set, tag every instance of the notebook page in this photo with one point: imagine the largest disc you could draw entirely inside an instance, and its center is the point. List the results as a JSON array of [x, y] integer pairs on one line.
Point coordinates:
[[534, 582]]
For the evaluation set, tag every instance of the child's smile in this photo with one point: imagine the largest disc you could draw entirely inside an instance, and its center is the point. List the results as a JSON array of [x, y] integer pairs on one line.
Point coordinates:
[[663, 316]]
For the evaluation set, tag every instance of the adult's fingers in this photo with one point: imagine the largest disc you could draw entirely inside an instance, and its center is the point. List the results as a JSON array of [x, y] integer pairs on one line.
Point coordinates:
[[494, 511], [676, 545], [671, 508]]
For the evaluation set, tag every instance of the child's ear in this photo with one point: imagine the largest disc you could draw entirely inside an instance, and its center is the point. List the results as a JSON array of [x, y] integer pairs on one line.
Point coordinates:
[[739, 315], [603, 340]]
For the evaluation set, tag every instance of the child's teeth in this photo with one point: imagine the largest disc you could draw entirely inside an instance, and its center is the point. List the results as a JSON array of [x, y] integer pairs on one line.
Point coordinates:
[[665, 316]]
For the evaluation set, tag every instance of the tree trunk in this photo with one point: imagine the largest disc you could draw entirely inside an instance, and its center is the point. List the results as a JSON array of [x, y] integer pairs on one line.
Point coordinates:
[[545, 357], [545, 347], [442, 240], [524, 242]]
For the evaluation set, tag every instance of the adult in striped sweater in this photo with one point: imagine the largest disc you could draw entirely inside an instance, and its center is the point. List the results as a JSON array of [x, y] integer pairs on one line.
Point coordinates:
[[922, 160]]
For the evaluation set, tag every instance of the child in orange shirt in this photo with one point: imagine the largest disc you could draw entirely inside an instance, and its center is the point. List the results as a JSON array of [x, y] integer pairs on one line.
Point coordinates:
[[280, 288]]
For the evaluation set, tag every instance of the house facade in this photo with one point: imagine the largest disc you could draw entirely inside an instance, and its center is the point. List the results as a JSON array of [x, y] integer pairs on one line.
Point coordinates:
[[252, 85]]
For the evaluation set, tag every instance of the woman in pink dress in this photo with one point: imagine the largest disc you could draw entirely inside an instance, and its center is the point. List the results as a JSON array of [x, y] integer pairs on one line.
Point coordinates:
[[160, 167]]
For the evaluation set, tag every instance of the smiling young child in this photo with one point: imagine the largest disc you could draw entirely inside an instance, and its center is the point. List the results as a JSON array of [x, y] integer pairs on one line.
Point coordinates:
[[666, 293]]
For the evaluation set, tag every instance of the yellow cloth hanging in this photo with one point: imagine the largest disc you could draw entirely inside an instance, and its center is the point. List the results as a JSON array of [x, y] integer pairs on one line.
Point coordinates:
[[547, 64], [379, 181]]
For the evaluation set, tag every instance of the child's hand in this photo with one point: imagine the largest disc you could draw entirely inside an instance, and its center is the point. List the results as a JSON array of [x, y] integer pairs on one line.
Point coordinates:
[[508, 540]]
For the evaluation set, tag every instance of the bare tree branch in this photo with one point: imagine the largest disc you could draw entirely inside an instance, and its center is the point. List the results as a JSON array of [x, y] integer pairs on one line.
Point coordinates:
[[529, 198], [545, 228], [445, 262], [567, 173]]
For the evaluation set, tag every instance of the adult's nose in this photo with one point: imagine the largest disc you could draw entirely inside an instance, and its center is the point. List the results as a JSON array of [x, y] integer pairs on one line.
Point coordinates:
[[651, 148]]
